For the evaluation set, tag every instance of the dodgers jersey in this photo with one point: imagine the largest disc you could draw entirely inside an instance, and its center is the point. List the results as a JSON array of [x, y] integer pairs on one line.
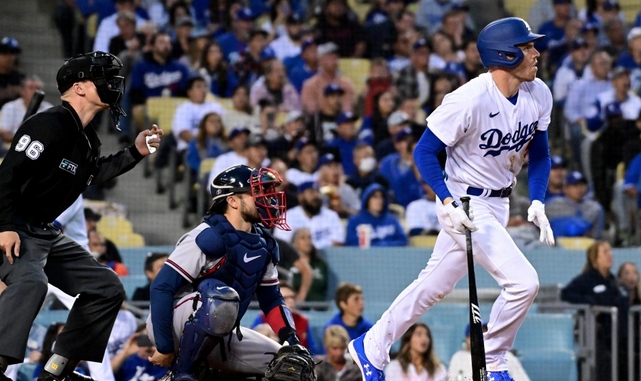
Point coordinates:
[[486, 135]]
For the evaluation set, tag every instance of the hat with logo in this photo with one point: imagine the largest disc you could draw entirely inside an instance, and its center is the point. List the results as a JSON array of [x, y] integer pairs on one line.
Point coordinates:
[[575, 177], [238, 130]]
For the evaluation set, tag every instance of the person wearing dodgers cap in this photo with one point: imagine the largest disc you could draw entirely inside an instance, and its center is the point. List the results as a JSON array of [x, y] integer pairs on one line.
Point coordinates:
[[346, 140], [396, 123], [237, 141], [557, 178]]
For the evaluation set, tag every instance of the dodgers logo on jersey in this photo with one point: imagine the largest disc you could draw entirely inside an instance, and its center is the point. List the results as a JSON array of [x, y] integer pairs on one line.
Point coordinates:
[[496, 142]]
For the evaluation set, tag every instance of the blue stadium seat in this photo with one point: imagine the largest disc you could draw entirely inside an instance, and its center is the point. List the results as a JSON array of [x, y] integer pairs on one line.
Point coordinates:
[[249, 317], [447, 341], [558, 365], [47, 317], [541, 332], [132, 282]]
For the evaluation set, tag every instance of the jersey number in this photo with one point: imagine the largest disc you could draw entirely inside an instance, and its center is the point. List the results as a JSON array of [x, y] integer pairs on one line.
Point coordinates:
[[33, 150]]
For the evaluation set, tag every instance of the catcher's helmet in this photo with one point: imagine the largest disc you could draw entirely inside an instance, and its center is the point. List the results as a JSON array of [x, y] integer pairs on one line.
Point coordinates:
[[261, 183], [102, 69], [499, 38]]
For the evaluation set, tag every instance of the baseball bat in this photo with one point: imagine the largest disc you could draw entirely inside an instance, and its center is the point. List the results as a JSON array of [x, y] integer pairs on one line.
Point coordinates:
[[34, 105], [477, 347]]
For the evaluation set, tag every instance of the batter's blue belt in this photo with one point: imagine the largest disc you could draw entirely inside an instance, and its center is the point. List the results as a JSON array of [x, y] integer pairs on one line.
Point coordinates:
[[502, 193]]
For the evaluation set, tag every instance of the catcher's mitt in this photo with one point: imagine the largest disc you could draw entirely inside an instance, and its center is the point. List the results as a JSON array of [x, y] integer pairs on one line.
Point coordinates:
[[291, 363]]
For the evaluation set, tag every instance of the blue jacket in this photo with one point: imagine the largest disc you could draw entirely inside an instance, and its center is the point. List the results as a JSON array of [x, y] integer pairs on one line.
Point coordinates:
[[346, 149], [552, 34], [386, 230], [149, 78], [193, 155], [231, 47], [362, 327], [298, 75], [136, 368]]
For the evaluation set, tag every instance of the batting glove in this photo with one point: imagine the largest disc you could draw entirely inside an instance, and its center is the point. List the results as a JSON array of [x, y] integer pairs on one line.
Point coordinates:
[[459, 219], [536, 214]]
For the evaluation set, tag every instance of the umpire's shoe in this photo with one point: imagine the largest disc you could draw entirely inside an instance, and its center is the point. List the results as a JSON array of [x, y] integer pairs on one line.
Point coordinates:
[[65, 376], [357, 350], [499, 376]]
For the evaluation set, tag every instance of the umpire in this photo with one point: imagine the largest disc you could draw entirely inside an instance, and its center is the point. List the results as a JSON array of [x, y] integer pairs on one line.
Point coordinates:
[[54, 156]]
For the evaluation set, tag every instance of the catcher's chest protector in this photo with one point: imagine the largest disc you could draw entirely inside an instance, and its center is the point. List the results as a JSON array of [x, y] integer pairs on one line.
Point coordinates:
[[246, 261]]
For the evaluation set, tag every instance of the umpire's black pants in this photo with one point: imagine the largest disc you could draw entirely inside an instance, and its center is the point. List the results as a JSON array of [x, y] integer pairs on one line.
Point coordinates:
[[46, 255]]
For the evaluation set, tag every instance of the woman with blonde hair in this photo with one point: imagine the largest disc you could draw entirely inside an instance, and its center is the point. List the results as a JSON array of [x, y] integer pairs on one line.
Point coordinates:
[[417, 360], [334, 366]]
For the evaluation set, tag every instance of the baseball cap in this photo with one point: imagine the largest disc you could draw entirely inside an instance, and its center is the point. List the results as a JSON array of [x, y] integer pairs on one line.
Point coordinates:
[[557, 161], [307, 43], [238, 130], [244, 14], [590, 27], [611, 5], [403, 133], [184, 21], [327, 48], [267, 54], [575, 177], [613, 109], [397, 117], [460, 6], [333, 88], [578, 44], [9, 45], [293, 115], [256, 141], [307, 185], [328, 158], [422, 43], [92, 215], [256, 32], [294, 18], [302, 144], [345, 117], [620, 70], [634, 33], [562, 2]]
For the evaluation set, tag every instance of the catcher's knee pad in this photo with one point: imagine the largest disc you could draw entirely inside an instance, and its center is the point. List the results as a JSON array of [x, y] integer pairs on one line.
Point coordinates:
[[218, 312]]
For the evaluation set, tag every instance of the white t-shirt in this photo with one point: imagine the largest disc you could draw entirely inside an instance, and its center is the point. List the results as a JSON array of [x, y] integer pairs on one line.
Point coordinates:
[[72, 222], [421, 214], [462, 362], [297, 177], [284, 47], [394, 372], [13, 112], [227, 160], [188, 116], [630, 107], [107, 30], [326, 227], [486, 135]]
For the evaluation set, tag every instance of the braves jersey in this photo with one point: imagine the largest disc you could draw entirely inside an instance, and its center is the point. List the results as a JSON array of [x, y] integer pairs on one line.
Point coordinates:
[[486, 135]]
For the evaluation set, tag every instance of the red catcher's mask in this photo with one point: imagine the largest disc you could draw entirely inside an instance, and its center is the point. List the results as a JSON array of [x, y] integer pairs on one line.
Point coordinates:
[[270, 203]]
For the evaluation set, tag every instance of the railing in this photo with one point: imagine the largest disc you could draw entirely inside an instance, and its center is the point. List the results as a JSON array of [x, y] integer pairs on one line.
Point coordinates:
[[632, 360]]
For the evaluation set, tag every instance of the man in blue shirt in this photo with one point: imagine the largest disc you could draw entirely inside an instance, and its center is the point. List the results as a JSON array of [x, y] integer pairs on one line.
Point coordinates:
[[557, 177], [395, 165], [350, 303], [554, 30], [235, 42], [346, 140], [632, 58], [303, 66]]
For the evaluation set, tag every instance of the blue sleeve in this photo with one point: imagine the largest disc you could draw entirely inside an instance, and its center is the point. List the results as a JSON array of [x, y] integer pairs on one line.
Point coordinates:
[[427, 163], [633, 172], [193, 157], [232, 83], [596, 122], [352, 237], [637, 22], [269, 297], [311, 344], [260, 319], [540, 165], [366, 134], [161, 299]]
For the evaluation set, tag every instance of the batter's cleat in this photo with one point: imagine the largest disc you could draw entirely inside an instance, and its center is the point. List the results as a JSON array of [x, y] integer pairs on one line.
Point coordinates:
[[499, 376], [65, 376], [357, 351]]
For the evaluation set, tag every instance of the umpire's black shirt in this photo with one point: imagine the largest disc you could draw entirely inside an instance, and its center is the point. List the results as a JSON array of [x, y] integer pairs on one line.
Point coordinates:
[[51, 161]]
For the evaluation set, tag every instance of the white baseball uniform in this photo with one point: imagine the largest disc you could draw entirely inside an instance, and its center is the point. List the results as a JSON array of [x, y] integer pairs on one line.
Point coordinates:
[[487, 139]]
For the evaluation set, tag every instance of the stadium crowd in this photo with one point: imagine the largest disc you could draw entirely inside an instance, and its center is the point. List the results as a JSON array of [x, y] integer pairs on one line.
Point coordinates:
[[335, 100]]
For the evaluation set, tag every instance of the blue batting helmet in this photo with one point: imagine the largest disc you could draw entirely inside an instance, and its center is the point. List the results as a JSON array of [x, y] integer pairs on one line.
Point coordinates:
[[499, 38]]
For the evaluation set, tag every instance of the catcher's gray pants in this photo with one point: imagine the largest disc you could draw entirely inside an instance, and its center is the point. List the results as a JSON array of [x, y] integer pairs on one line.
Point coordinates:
[[46, 255], [247, 357]]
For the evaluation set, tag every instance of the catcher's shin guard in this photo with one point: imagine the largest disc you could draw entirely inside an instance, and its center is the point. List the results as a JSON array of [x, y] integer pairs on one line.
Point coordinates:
[[195, 346]]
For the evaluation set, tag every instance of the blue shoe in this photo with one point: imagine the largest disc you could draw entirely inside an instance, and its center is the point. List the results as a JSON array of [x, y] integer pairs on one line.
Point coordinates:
[[499, 376], [357, 351]]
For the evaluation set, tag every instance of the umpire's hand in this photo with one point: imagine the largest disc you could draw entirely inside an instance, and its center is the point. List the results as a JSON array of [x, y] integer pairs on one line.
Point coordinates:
[[141, 142], [10, 244]]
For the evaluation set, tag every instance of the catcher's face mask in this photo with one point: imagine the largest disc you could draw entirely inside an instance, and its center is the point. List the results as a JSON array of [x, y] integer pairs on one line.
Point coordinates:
[[270, 203]]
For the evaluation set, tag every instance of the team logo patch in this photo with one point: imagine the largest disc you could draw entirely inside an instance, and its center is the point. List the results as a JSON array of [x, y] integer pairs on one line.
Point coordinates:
[[69, 166], [219, 191]]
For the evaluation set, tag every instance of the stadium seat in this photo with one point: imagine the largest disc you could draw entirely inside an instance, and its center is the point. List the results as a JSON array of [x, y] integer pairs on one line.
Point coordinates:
[[110, 226], [541, 332], [129, 240], [575, 243], [423, 240], [356, 70], [397, 210], [558, 365], [520, 8], [132, 282], [448, 340], [161, 111], [360, 8]]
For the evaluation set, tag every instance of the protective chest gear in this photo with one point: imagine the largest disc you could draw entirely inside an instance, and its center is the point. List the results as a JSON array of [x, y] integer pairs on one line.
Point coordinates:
[[499, 38], [102, 69]]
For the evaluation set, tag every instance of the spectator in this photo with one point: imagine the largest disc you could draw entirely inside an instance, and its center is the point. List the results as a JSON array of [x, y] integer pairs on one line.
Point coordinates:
[[313, 89], [337, 25], [632, 188], [558, 50], [309, 255], [394, 165], [324, 224], [132, 362], [374, 128], [461, 362], [631, 59], [573, 215], [301, 322], [291, 191], [334, 366], [441, 85], [10, 77], [339, 196], [470, 67], [221, 81], [417, 117], [189, 115], [322, 124], [72, 223], [454, 27], [176, 11], [275, 88], [571, 71], [127, 37], [629, 103], [13, 112], [306, 165], [417, 359], [430, 13], [421, 214], [444, 51], [209, 141], [293, 130], [196, 44], [237, 142], [581, 98], [98, 250], [47, 347], [413, 81], [265, 330], [248, 67], [628, 277], [157, 74], [153, 264], [242, 113], [91, 221], [385, 228], [289, 44], [557, 177], [591, 33], [402, 51], [345, 141], [304, 66], [256, 151], [397, 122], [366, 173], [409, 186], [597, 286], [235, 42], [554, 30], [615, 34], [183, 29], [350, 303], [108, 27]]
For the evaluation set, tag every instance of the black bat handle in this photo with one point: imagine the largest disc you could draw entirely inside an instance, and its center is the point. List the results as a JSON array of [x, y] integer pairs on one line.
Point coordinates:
[[465, 200]]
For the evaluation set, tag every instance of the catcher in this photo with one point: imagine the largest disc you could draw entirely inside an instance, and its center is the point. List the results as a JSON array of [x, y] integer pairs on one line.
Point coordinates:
[[206, 285]]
